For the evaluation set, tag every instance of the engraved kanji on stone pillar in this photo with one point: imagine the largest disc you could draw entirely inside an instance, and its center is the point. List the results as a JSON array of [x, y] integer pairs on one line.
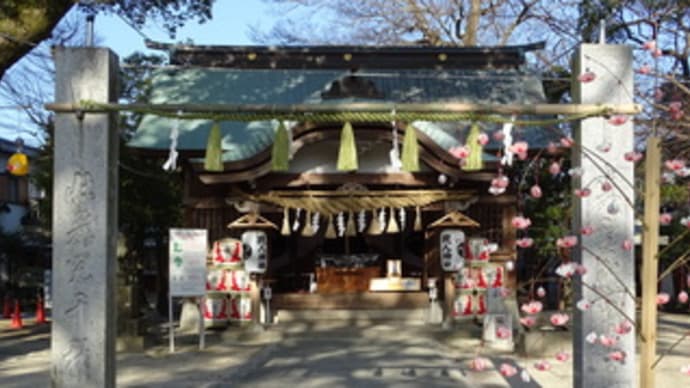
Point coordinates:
[[84, 222]]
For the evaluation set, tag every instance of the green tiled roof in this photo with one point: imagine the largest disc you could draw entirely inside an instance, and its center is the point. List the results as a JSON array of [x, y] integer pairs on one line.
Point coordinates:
[[243, 140]]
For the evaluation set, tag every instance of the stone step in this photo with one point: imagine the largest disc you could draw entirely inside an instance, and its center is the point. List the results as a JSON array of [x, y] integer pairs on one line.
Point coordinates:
[[419, 315]]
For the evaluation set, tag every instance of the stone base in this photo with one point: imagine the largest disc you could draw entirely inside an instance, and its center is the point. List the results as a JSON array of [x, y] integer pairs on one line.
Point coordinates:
[[543, 343]]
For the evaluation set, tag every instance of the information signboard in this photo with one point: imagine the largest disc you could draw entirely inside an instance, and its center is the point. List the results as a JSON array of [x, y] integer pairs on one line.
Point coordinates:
[[188, 249]]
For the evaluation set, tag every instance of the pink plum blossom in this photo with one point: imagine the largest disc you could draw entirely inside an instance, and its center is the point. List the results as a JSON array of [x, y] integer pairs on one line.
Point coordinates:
[[559, 319], [583, 305], [567, 241], [617, 356], [606, 186], [658, 94], [520, 149], [555, 168], [567, 141], [627, 245], [507, 370], [665, 218], [575, 171], [674, 164], [608, 340], [542, 365], [580, 269], [685, 369], [504, 292], [566, 270], [535, 191], [632, 156], [562, 356], [675, 108], [460, 152], [649, 45], [604, 147], [552, 148], [498, 135], [503, 332], [657, 53], [623, 328], [645, 69], [587, 76], [541, 292], [478, 364], [501, 181], [531, 308], [528, 321], [521, 222], [683, 297], [483, 139], [586, 230], [582, 193], [618, 120], [524, 242], [662, 298], [685, 221]]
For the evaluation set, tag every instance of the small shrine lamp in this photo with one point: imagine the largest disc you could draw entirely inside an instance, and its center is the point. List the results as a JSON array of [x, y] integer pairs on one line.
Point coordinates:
[[18, 163]]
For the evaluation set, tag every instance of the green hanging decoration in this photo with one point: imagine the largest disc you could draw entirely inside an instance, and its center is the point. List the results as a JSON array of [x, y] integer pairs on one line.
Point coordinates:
[[410, 150], [474, 161], [213, 161], [347, 155], [281, 149]]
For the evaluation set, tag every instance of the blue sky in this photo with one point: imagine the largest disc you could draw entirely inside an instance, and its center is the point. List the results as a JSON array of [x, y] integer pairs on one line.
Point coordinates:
[[229, 26]]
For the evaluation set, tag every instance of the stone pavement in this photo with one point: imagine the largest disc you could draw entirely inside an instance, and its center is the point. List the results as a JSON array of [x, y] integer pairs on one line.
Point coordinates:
[[328, 354]]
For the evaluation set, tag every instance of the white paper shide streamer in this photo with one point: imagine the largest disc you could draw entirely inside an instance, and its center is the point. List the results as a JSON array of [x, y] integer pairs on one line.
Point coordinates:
[[340, 224], [295, 225], [316, 222], [361, 221], [171, 163], [507, 142]]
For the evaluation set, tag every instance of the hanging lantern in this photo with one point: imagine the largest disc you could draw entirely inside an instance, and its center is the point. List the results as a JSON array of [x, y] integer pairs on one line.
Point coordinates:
[[18, 164]]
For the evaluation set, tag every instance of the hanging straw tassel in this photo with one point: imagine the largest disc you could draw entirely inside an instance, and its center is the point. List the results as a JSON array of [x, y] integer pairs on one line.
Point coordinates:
[[417, 219], [410, 151], [374, 225], [330, 229], [281, 149], [350, 229], [213, 161], [285, 230], [392, 223], [473, 162], [347, 155], [308, 230]]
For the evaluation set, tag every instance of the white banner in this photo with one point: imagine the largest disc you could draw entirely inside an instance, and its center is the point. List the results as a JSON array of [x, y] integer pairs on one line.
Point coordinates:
[[188, 250]]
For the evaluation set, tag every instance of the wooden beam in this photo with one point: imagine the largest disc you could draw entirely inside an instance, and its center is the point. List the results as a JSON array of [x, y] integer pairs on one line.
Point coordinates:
[[650, 263], [382, 108]]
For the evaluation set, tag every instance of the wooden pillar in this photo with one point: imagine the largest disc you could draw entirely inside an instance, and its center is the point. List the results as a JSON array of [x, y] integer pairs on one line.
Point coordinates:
[[610, 278], [84, 222], [650, 262]]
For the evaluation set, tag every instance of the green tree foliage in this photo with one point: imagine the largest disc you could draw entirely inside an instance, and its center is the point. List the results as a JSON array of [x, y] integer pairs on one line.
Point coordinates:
[[26, 23]]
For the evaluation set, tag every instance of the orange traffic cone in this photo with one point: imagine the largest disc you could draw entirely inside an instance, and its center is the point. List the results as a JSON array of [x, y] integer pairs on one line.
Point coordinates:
[[40, 311], [17, 317], [6, 309]]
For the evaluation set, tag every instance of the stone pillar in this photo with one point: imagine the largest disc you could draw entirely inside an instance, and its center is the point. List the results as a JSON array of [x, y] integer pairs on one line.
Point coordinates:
[[610, 267], [84, 222]]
